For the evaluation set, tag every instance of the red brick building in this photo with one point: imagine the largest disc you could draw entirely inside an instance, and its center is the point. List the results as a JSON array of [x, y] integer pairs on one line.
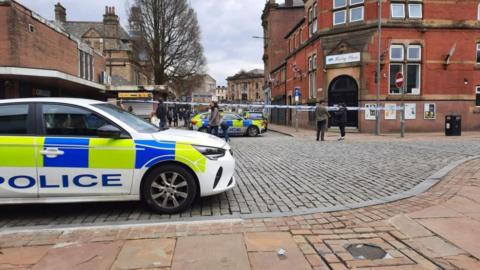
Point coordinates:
[[37, 58], [435, 44], [277, 20]]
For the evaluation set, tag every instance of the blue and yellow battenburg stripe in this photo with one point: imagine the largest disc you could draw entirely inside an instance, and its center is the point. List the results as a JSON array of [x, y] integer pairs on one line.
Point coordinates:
[[96, 153]]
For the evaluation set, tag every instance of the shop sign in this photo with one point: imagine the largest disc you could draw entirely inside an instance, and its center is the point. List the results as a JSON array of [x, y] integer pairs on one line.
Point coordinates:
[[343, 58], [135, 95]]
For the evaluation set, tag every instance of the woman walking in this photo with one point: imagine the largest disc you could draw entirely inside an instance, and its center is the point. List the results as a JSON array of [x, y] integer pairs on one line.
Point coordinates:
[[322, 115], [214, 119]]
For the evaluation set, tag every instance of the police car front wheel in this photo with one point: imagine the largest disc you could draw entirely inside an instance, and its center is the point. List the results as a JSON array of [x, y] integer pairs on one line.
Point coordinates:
[[169, 189], [253, 132]]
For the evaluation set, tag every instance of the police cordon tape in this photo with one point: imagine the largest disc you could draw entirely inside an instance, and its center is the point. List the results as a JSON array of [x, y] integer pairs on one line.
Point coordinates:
[[261, 106]]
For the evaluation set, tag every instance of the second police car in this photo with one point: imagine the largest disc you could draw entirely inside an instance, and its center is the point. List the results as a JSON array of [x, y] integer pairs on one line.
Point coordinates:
[[75, 150], [236, 124]]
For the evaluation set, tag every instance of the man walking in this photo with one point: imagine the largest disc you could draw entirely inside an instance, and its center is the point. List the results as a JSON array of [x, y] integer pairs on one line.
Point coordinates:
[[322, 115], [161, 113], [341, 119]]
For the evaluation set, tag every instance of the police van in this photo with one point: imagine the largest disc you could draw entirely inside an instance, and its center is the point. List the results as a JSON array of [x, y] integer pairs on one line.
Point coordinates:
[[59, 150]]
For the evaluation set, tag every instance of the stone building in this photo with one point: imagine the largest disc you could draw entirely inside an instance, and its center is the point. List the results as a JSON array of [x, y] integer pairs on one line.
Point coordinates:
[[221, 93], [39, 58], [110, 39], [246, 86], [333, 54]]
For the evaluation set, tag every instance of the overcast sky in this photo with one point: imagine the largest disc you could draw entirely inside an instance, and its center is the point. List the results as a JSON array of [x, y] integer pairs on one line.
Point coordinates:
[[227, 28]]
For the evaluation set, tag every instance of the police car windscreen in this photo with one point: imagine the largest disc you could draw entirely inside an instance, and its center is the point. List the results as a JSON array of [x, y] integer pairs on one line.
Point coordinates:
[[134, 122]]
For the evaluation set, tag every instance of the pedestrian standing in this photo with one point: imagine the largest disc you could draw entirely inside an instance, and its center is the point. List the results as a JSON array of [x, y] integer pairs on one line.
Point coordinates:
[[224, 127], [162, 113], [214, 119], [321, 115], [341, 119], [175, 116], [170, 116]]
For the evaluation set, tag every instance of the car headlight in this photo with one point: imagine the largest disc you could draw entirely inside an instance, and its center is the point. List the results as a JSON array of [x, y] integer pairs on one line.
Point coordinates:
[[212, 153]]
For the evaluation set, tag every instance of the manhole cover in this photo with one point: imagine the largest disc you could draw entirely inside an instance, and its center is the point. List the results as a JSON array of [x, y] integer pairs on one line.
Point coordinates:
[[366, 251]]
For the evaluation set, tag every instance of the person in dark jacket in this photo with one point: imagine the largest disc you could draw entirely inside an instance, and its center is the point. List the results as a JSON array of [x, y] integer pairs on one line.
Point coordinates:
[[341, 119], [321, 115], [161, 113]]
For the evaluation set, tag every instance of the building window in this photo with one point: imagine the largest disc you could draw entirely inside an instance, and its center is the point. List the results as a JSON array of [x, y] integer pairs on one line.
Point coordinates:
[[347, 11], [31, 28], [312, 76], [410, 66], [477, 98], [312, 20], [478, 12], [85, 65], [401, 9], [478, 53]]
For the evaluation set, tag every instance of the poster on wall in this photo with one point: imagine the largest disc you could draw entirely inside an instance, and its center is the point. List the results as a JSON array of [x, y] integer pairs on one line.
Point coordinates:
[[370, 111], [430, 111], [390, 111], [410, 111]]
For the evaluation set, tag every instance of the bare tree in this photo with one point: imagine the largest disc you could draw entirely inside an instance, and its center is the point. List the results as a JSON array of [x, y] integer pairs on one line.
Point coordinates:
[[171, 36]]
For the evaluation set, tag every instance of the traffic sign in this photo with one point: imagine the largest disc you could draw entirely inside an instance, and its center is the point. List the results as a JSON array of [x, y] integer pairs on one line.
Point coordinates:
[[399, 80]]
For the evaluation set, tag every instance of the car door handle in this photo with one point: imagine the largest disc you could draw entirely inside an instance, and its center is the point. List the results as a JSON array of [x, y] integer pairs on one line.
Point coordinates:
[[51, 152]]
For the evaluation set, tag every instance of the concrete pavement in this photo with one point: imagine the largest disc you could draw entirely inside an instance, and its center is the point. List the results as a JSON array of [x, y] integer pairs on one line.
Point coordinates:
[[438, 229]]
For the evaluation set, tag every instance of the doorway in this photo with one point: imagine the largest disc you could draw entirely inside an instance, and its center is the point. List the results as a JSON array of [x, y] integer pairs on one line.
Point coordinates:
[[345, 89]]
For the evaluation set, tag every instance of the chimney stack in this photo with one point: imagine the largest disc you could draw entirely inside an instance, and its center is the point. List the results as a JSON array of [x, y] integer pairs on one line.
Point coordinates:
[[60, 13]]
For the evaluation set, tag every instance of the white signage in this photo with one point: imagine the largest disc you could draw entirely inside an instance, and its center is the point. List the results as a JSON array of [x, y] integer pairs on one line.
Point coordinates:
[[370, 111], [410, 111], [390, 111], [343, 58]]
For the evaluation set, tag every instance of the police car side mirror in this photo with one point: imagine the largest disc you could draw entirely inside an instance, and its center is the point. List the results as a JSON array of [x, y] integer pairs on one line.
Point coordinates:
[[109, 131]]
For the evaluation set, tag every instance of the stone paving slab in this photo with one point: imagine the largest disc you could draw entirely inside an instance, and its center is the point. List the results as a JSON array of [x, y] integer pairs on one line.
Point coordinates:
[[222, 252], [83, 256], [150, 253]]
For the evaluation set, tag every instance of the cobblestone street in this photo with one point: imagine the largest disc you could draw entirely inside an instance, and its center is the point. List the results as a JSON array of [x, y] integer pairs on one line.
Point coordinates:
[[281, 175]]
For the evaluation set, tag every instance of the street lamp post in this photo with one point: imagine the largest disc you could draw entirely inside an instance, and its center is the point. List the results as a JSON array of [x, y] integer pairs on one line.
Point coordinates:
[[379, 67]]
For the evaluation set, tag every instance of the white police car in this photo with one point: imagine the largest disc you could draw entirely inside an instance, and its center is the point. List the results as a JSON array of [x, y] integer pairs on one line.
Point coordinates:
[[59, 150]]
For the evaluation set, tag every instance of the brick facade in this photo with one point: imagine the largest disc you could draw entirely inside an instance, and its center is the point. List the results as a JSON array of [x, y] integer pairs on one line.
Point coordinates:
[[450, 87], [246, 86], [32, 48]]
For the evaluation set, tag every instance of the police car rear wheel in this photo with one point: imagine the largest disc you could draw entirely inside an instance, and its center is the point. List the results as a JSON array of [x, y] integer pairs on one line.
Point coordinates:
[[169, 189], [252, 131]]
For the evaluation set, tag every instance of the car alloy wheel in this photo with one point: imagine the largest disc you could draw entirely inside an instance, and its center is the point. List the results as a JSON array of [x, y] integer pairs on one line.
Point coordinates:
[[169, 189], [252, 131]]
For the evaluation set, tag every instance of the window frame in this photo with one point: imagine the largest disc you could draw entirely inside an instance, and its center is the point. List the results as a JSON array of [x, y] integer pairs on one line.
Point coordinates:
[[30, 121], [403, 52], [390, 76], [477, 57], [347, 9], [419, 52], [344, 17], [405, 62], [403, 10], [354, 8], [410, 4], [41, 124], [477, 96]]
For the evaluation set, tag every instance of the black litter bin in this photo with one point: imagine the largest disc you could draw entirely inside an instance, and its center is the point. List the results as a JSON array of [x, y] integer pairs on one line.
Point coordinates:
[[453, 125]]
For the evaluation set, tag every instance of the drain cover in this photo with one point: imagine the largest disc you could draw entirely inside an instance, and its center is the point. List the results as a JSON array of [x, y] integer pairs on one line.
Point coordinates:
[[366, 252]]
